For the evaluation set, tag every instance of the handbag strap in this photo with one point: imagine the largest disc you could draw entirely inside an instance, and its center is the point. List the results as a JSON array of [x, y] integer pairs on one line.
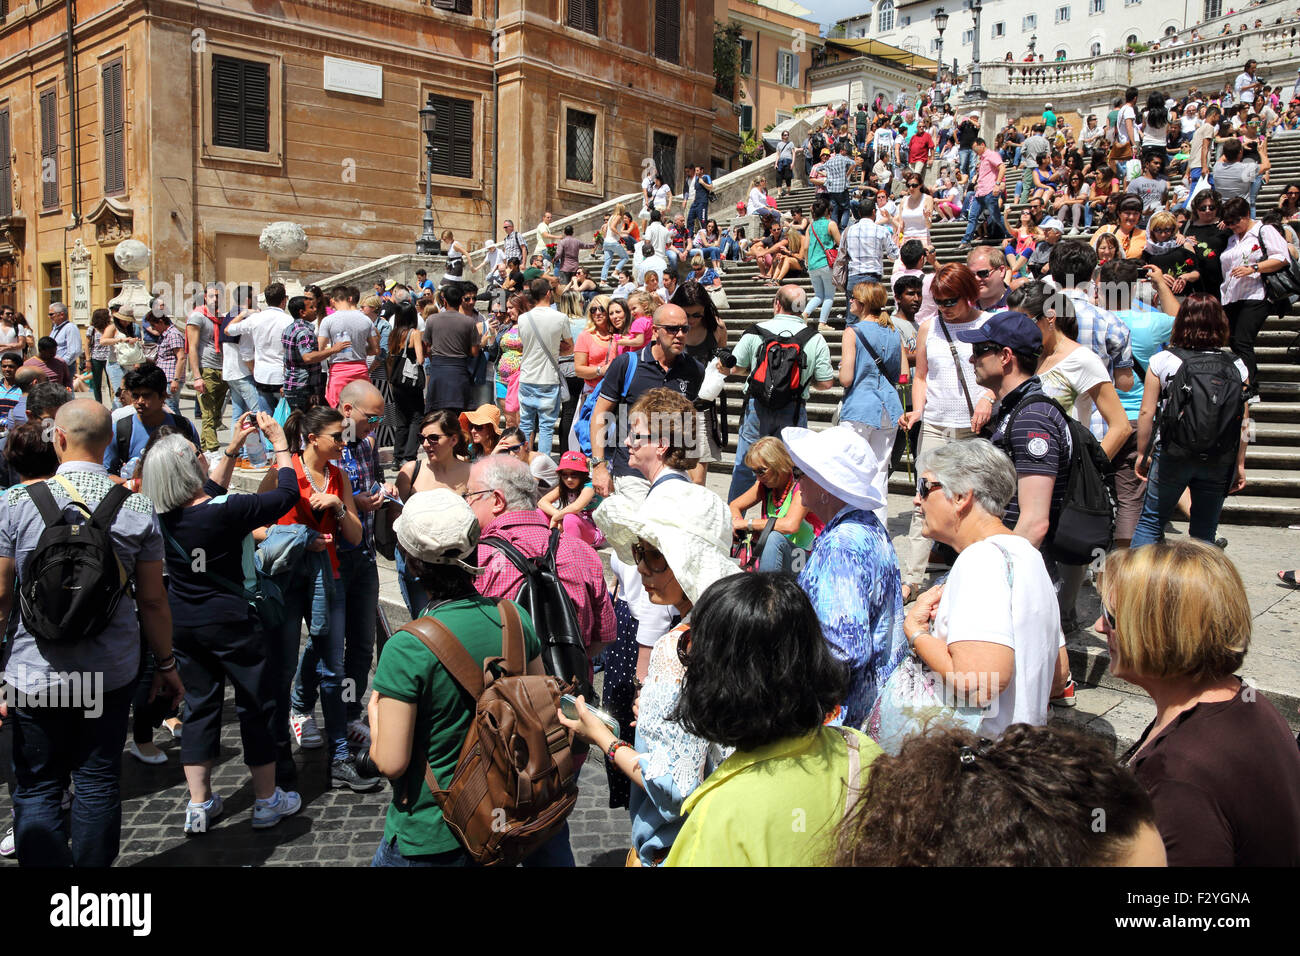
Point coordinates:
[[880, 363], [230, 587], [549, 357], [854, 793], [957, 364], [813, 230]]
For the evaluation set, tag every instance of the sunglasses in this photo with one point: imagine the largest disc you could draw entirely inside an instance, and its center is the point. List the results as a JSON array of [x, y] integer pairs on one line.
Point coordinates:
[[675, 329], [985, 348], [432, 438], [1108, 616], [983, 274], [374, 419], [946, 303], [926, 486], [509, 449], [1210, 207], [333, 436], [652, 560], [1233, 221]]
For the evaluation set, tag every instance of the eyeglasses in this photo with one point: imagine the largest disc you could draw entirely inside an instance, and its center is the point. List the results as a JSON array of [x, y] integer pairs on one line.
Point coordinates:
[[985, 348], [926, 486], [509, 449], [1108, 616], [946, 303], [474, 494], [675, 329], [984, 273], [643, 557], [638, 439]]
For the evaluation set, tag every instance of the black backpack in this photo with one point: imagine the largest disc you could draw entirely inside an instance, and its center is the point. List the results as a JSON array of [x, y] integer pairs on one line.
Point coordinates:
[[780, 364], [1202, 407], [70, 586], [1085, 526], [542, 595]]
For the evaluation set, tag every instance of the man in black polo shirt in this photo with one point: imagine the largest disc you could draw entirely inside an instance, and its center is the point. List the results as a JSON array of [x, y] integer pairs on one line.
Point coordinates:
[[1004, 353], [661, 364]]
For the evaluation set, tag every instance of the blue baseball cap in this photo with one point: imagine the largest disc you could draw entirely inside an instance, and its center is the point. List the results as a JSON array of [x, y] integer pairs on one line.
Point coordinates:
[[1009, 329]]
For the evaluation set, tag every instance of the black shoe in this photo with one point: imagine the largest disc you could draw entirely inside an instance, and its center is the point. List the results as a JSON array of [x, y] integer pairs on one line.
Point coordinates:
[[1222, 543], [344, 773]]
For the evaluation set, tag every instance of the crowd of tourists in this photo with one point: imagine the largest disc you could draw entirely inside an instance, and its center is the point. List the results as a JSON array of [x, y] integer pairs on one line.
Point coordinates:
[[746, 656]]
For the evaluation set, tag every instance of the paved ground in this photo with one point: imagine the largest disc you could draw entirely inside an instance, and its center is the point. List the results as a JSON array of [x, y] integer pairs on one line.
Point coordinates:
[[342, 828]]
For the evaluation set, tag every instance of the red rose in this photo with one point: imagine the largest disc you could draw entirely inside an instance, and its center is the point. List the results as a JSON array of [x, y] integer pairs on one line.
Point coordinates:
[[1190, 262], [1209, 254]]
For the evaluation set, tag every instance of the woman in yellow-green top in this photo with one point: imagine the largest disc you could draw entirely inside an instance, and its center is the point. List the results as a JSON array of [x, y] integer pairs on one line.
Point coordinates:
[[761, 678], [777, 491]]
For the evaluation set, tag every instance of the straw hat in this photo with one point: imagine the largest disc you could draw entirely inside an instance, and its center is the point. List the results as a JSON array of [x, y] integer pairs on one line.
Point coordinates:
[[686, 522], [838, 459]]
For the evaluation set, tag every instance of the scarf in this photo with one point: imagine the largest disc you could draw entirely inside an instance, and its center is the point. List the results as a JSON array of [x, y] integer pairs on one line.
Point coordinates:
[[1160, 248]]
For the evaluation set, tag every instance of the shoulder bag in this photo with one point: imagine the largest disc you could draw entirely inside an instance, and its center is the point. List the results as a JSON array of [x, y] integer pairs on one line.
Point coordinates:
[[1282, 287], [564, 386]]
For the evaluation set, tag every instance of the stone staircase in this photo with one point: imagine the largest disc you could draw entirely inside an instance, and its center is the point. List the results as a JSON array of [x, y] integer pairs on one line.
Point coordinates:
[[1272, 496]]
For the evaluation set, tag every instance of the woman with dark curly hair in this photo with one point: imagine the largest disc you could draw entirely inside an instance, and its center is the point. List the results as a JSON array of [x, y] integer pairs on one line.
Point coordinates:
[[761, 678], [1033, 797]]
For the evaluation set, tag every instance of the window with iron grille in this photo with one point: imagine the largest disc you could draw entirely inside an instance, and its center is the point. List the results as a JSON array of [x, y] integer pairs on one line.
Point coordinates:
[[114, 130], [455, 6], [453, 137], [50, 149], [241, 104], [579, 146], [665, 157], [787, 68], [6, 173], [668, 29], [584, 15]]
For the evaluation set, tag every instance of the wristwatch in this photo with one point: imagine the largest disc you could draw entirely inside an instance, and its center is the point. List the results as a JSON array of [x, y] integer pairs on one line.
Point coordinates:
[[593, 462]]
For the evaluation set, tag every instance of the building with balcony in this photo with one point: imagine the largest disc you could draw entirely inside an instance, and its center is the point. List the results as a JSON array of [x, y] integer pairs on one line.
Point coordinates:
[[191, 125], [778, 46]]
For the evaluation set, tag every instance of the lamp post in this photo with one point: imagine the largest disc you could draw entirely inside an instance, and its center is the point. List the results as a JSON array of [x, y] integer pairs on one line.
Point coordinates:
[[1033, 42], [976, 91], [428, 244], [940, 24]]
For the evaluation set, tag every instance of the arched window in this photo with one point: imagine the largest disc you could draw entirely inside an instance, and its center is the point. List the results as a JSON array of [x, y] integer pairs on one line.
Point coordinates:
[[885, 16], [1060, 53], [1095, 50], [1170, 31], [1132, 38]]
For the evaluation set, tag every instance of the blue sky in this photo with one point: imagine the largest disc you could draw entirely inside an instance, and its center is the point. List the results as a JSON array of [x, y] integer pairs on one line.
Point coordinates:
[[828, 11]]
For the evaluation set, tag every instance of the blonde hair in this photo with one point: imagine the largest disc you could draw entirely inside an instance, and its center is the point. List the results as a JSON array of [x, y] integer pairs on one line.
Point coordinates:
[[619, 211], [794, 240], [770, 453], [1162, 220], [870, 297], [645, 301], [430, 309], [447, 235], [371, 302], [697, 261], [598, 302], [571, 305], [1180, 610]]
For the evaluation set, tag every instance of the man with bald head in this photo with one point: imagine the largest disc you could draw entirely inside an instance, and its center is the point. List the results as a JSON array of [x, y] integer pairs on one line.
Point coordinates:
[[759, 419], [663, 363], [70, 700], [362, 406]]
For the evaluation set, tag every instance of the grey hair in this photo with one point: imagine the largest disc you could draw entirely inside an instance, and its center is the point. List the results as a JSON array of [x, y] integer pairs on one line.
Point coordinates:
[[171, 473], [510, 476], [58, 307], [972, 466]]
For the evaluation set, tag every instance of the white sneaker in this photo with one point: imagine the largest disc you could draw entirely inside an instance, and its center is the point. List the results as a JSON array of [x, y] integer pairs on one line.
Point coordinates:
[[359, 732], [269, 812], [7, 845], [1073, 232], [305, 731], [200, 816]]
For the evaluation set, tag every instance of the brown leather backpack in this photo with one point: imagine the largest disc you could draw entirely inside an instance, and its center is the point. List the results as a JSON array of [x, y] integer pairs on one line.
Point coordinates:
[[515, 782]]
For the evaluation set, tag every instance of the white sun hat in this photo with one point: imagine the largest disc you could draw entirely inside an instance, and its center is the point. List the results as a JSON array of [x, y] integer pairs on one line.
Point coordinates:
[[686, 522], [438, 527], [838, 459]]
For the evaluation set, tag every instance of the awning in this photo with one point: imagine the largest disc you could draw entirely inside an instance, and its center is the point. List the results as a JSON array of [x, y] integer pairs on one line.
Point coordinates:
[[883, 51]]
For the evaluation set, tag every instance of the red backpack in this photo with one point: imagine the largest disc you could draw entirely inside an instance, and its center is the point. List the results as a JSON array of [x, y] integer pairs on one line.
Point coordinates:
[[780, 370]]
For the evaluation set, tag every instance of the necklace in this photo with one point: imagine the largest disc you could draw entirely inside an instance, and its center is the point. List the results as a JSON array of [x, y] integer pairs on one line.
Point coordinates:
[[312, 478]]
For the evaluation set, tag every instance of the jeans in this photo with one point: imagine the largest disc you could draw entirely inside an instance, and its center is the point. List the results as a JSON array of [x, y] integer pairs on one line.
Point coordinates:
[[729, 247], [413, 592], [358, 589], [51, 745], [612, 248], [989, 204], [539, 410], [823, 293], [555, 852], [698, 216], [1167, 479], [760, 423], [328, 642], [1254, 191], [388, 855], [1192, 178], [244, 398], [408, 409], [853, 279], [211, 402], [778, 554], [966, 161], [840, 208]]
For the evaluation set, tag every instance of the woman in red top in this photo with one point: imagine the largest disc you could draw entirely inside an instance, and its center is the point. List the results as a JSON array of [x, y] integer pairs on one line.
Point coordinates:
[[316, 438]]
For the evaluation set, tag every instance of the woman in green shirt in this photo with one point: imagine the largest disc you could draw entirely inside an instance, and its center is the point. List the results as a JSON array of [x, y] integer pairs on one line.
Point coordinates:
[[417, 710]]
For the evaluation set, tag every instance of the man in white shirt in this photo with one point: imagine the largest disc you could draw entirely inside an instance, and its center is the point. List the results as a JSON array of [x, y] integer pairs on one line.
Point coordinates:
[[651, 261], [235, 356], [546, 240], [1245, 85], [546, 335], [265, 329], [656, 234]]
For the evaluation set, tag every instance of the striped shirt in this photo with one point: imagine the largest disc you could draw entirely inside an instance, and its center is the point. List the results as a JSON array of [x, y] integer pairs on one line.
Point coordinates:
[[298, 340], [837, 173], [868, 244]]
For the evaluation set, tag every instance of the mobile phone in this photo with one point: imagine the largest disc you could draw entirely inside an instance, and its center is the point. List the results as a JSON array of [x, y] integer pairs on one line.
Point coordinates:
[[569, 707]]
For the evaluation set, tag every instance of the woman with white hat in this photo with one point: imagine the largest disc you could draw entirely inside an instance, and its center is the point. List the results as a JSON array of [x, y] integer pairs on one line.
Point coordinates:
[[852, 575], [679, 539]]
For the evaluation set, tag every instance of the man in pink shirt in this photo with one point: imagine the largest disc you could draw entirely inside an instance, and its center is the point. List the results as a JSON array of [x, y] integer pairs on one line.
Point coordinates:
[[990, 178]]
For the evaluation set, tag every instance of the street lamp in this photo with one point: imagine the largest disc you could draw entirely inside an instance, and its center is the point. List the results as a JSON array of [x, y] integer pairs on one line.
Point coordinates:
[[940, 24], [1033, 42], [976, 90], [428, 244]]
